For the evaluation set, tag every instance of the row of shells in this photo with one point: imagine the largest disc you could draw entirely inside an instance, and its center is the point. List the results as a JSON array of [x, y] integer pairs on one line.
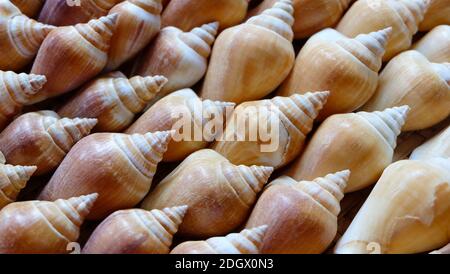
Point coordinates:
[[89, 97]]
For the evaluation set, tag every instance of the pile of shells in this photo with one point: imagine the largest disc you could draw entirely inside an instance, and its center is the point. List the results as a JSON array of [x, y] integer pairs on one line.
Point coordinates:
[[357, 92]]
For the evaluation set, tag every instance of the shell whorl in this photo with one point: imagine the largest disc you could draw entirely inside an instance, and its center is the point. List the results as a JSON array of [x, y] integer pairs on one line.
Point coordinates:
[[251, 178], [248, 241], [98, 32], [137, 92], [66, 132], [76, 208], [13, 179], [443, 70], [150, 6], [388, 122], [162, 223], [144, 151], [279, 19], [374, 42], [201, 38], [412, 12], [21, 87], [301, 110], [27, 35]]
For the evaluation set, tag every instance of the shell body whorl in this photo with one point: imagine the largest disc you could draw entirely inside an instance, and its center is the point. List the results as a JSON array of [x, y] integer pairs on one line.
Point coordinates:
[[435, 45], [438, 146]]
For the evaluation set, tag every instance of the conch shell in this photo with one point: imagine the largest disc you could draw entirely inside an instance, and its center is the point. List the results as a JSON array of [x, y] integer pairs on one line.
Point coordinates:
[[119, 167], [250, 60], [408, 211], [311, 16], [136, 231], [138, 22], [12, 180], [59, 13], [362, 142], [248, 241], [30, 8], [180, 56], [301, 215], [437, 14], [43, 227], [16, 90], [289, 120], [77, 54], [187, 14], [219, 194], [404, 16], [20, 38], [436, 45], [348, 68], [114, 101], [42, 139], [168, 113], [438, 146], [410, 79]]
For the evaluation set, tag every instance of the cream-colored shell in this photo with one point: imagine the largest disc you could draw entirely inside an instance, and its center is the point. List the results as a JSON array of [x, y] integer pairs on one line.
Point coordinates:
[[435, 45], [438, 146], [437, 14], [12, 180]]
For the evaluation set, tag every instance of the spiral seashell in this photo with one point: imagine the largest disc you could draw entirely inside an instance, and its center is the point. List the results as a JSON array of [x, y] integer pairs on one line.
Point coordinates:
[[136, 231], [16, 91], [248, 241], [370, 137], [437, 14], [404, 16], [8, 9], [181, 57], [138, 22], [435, 45], [113, 101], [180, 110], [12, 180], [301, 215], [410, 79], [30, 8], [42, 139], [219, 194], [78, 53], [21, 38], [43, 227], [408, 211], [119, 167], [294, 116], [59, 13], [348, 68], [264, 59], [438, 146]]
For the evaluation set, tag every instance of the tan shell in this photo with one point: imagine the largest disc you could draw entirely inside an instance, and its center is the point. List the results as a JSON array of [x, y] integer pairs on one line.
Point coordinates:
[[435, 45], [136, 231], [438, 146], [437, 14], [219, 194], [30, 8], [43, 227], [12, 180], [362, 142], [119, 167]]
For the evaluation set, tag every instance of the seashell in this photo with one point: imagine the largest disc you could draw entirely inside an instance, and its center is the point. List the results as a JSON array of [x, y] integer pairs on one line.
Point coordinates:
[[348, 68], [113, 101], [78, 53], [362, 142], [30, 8], [301, 215], [43, 227], [16, 91], [219, 195], [250, 60], [292, 119], [12, 180], [435, 46], [138, 22], [119, 167], [438, 146], [187, 14], [408, 211], [42, 139], [168, 113], [310, 16], [437, 14], [8, 9], [180, 56], [444, 250], [404, 16], [248, 241], [136, 231], [59, 13], [410, 79], [21, 38]]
